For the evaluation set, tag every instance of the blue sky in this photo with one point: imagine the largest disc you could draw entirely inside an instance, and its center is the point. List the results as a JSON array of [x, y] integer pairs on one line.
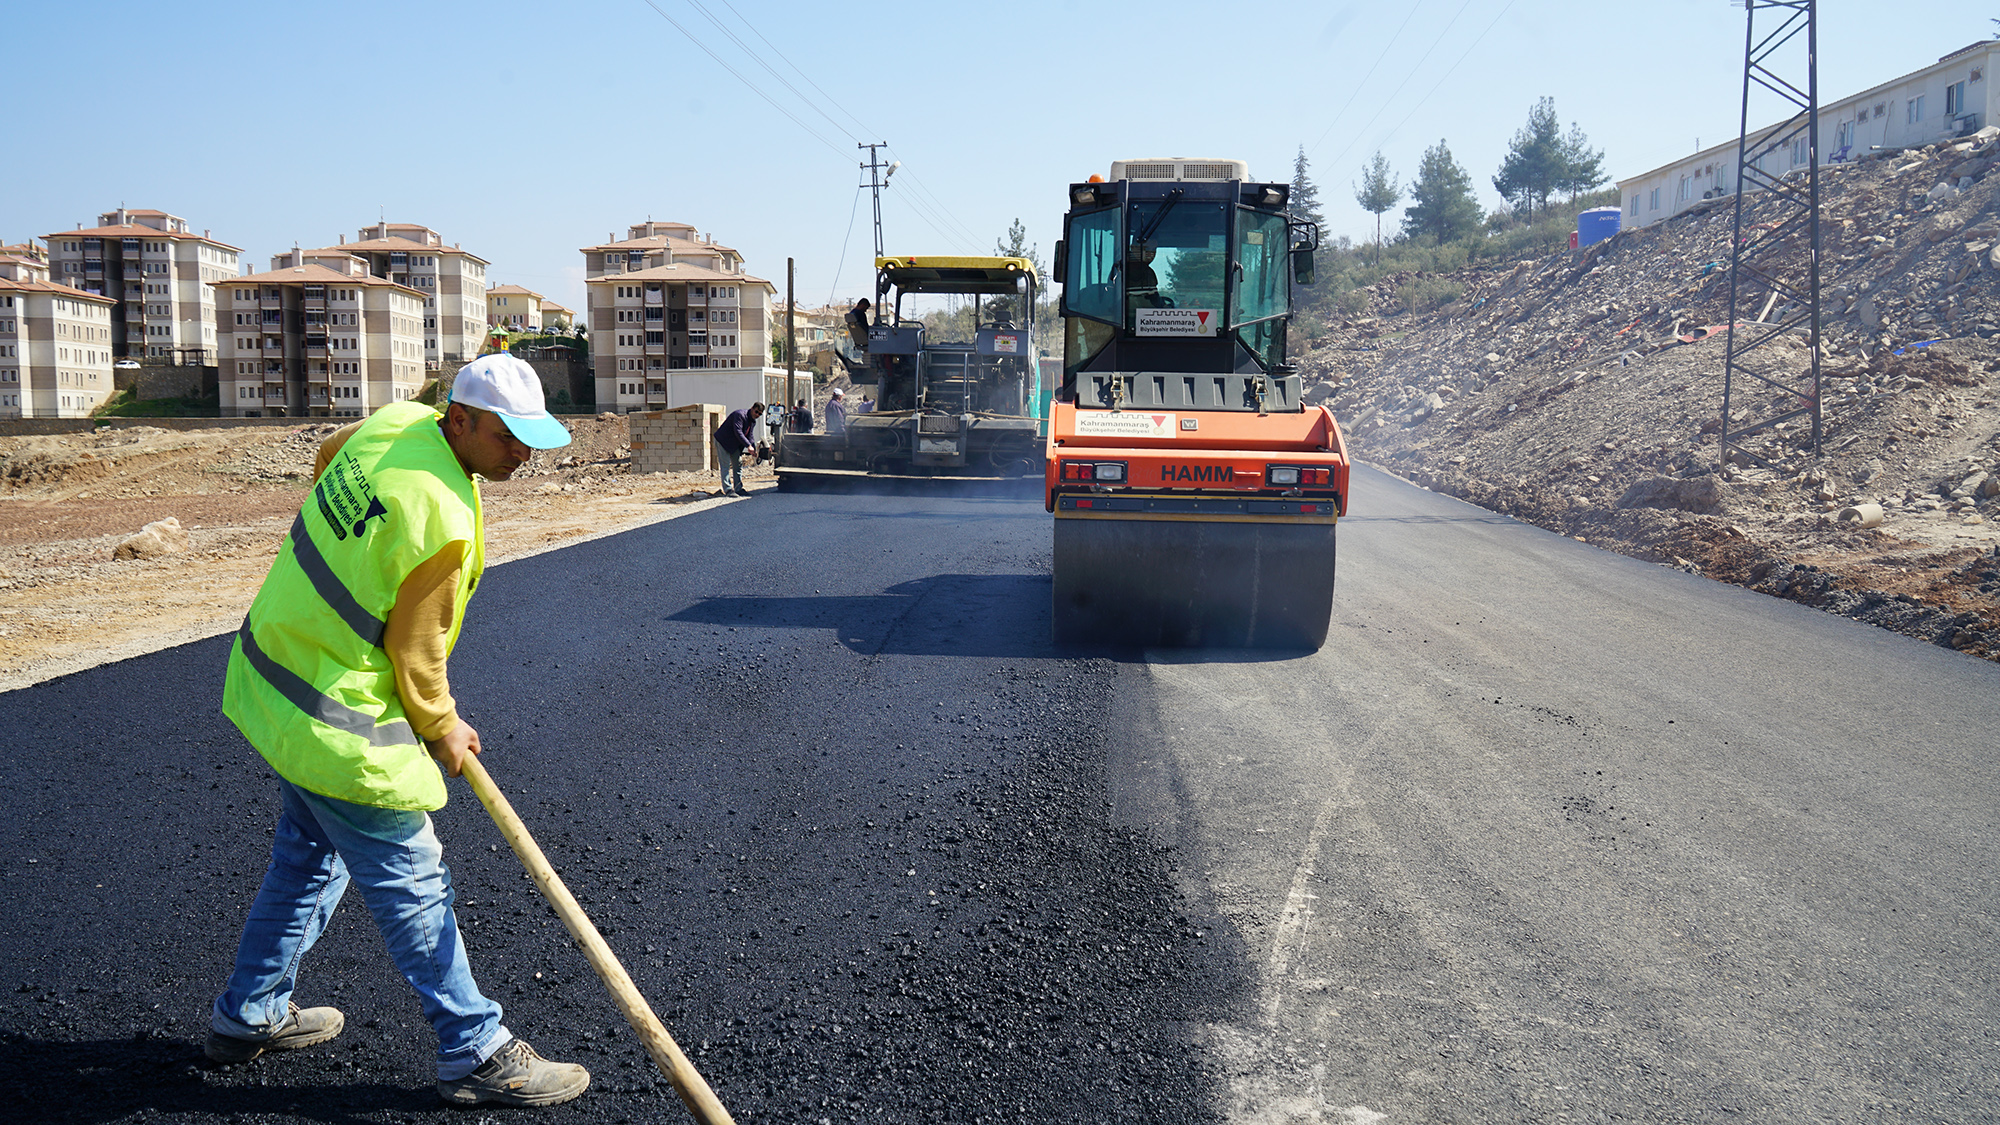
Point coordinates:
[[525, 131]]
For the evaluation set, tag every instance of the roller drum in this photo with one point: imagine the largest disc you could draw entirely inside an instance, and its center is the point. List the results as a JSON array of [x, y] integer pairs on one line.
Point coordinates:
[[1193, 583]]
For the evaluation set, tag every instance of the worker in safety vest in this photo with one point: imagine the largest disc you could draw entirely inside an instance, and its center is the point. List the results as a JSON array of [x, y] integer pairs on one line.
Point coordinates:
[[337, 677]]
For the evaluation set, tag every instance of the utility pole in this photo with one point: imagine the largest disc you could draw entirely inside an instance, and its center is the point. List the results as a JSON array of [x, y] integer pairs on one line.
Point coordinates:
[[877, 183], [791, 332]]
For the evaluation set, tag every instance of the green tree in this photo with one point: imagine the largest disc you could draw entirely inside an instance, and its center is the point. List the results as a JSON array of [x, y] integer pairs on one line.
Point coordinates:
[[1304, 203], [1535, 165], [1047, 323], [1377, 192], [1582, 166], [1442, 206]]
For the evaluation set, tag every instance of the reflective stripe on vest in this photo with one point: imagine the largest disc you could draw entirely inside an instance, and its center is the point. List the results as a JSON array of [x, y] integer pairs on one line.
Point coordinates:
[[309, 683], [307, 698]]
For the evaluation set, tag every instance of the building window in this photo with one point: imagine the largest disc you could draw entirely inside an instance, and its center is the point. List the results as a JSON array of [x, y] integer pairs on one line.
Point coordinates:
[[1916, 109], [1954, 99], [1654, 202]]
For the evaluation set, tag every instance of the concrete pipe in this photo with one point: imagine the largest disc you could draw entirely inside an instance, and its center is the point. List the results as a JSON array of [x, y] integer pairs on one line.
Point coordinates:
[[1860, 515]]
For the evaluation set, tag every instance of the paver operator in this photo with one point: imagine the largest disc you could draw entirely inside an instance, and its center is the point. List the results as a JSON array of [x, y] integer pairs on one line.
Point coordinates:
[[337, 677]]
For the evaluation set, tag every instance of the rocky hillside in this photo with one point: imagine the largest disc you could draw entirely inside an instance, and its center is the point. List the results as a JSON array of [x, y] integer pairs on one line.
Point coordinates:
[[1582, 392]]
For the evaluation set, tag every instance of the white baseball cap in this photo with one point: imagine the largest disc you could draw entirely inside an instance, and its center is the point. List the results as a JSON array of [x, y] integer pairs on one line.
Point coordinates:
[[510, 388], [837, 392]]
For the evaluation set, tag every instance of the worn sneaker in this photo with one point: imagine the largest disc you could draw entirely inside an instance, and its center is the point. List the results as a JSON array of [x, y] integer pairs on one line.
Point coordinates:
[[516, 1075], [301, 1027]]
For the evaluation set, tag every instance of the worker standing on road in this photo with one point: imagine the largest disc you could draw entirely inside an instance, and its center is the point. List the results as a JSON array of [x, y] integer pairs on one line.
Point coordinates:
[[732, 439], [337, 677], [836, 412]]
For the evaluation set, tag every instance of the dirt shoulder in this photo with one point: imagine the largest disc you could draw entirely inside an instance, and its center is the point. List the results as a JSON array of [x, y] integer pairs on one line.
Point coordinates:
[[68, 502], [1583, 392]]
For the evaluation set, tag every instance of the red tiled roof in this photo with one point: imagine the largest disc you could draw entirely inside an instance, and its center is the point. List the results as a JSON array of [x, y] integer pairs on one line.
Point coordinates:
[[134, 230], [52, 287], [311, 274]]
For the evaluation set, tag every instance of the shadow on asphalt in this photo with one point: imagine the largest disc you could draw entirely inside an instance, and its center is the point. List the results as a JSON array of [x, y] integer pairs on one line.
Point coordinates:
[[1003, 615], [987, 615], [872, 484], [104, 1080]]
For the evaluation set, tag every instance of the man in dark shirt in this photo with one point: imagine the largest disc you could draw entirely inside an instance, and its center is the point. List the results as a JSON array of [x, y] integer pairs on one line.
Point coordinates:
[[731, 440]]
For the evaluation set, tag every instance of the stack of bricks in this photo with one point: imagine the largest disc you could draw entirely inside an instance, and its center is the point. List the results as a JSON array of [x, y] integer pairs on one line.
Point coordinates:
[[675, 441]]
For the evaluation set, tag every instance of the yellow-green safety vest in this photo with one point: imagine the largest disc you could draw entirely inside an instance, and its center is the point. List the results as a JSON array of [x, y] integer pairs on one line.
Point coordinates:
[[309, 683]]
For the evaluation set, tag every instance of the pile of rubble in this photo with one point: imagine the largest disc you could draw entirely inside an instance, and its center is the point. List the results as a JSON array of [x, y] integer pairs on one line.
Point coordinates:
[[1582, 392]]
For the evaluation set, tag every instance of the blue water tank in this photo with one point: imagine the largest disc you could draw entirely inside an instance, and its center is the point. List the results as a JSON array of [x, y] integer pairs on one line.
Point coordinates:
[[1597, 224]]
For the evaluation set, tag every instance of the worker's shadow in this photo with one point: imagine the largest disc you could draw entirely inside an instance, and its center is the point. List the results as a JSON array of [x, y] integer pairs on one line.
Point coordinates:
[[104, 1080], [942, 615]]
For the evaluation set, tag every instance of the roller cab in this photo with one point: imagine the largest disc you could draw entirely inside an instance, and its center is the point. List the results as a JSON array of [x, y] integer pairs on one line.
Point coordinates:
[[1194, 496]]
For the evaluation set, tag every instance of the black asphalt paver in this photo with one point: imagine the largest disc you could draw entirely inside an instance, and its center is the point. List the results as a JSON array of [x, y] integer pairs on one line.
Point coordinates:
[[810, 764]]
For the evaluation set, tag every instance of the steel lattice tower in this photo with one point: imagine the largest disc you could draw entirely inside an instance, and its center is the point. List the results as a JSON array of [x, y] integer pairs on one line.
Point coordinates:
[[1779, 256]]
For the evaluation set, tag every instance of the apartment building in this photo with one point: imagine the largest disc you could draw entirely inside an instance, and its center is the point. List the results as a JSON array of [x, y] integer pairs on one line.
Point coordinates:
[[319, 335], [55, 341], [157, 273], [556, 318], [514, 307], [1952, 97], [649, 245], [452, 281], [666, 299]]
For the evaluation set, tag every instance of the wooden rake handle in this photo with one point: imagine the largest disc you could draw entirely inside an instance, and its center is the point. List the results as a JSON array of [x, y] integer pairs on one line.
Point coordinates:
[[688, 1083]]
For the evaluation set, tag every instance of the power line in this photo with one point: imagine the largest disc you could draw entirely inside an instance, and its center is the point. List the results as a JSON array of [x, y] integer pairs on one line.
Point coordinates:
[[795, 68], [1453, 22], [924, 204], [739, 77], [1454, 66], [1361, 85], [840, 261], [745, 48]]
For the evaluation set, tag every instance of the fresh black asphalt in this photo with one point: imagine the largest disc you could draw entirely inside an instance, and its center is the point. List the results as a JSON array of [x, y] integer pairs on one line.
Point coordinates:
[[809, 762]]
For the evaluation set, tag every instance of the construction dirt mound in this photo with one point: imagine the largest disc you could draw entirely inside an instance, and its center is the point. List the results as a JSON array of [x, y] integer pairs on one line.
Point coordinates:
[[131, 539], [1583, 392]]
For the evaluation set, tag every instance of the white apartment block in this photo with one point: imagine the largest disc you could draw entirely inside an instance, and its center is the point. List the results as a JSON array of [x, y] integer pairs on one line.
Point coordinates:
[[452, 281], [1953, 97], [514, 307], [644, 326], [157, 274], [318, 336], [665, 299], [55, 342]]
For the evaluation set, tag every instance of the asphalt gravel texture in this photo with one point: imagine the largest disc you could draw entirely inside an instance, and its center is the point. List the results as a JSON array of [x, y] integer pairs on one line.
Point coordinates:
[[809, 762]]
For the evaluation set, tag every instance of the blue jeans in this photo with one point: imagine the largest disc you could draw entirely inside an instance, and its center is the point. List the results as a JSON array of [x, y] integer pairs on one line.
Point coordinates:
[[395, 856], [731, 465]]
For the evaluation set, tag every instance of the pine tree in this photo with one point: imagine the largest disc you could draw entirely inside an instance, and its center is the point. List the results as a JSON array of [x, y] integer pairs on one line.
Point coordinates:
[[1377, 192], [1304, 203], [1582, 167], [1534, 165], [1442, 205]]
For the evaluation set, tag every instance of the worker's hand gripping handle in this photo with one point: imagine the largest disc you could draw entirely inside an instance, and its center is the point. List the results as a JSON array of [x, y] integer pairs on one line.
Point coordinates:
[[694, 1092]]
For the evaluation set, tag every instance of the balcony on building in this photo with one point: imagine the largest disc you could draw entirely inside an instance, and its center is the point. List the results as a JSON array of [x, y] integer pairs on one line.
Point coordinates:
[[270, 299], [315, 298], [655, 295], [316, 347], [656, 393], [93, 267]]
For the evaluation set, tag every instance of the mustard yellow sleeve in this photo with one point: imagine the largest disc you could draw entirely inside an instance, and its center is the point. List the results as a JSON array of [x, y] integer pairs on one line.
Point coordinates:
[[330, 448], [419, 628]]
